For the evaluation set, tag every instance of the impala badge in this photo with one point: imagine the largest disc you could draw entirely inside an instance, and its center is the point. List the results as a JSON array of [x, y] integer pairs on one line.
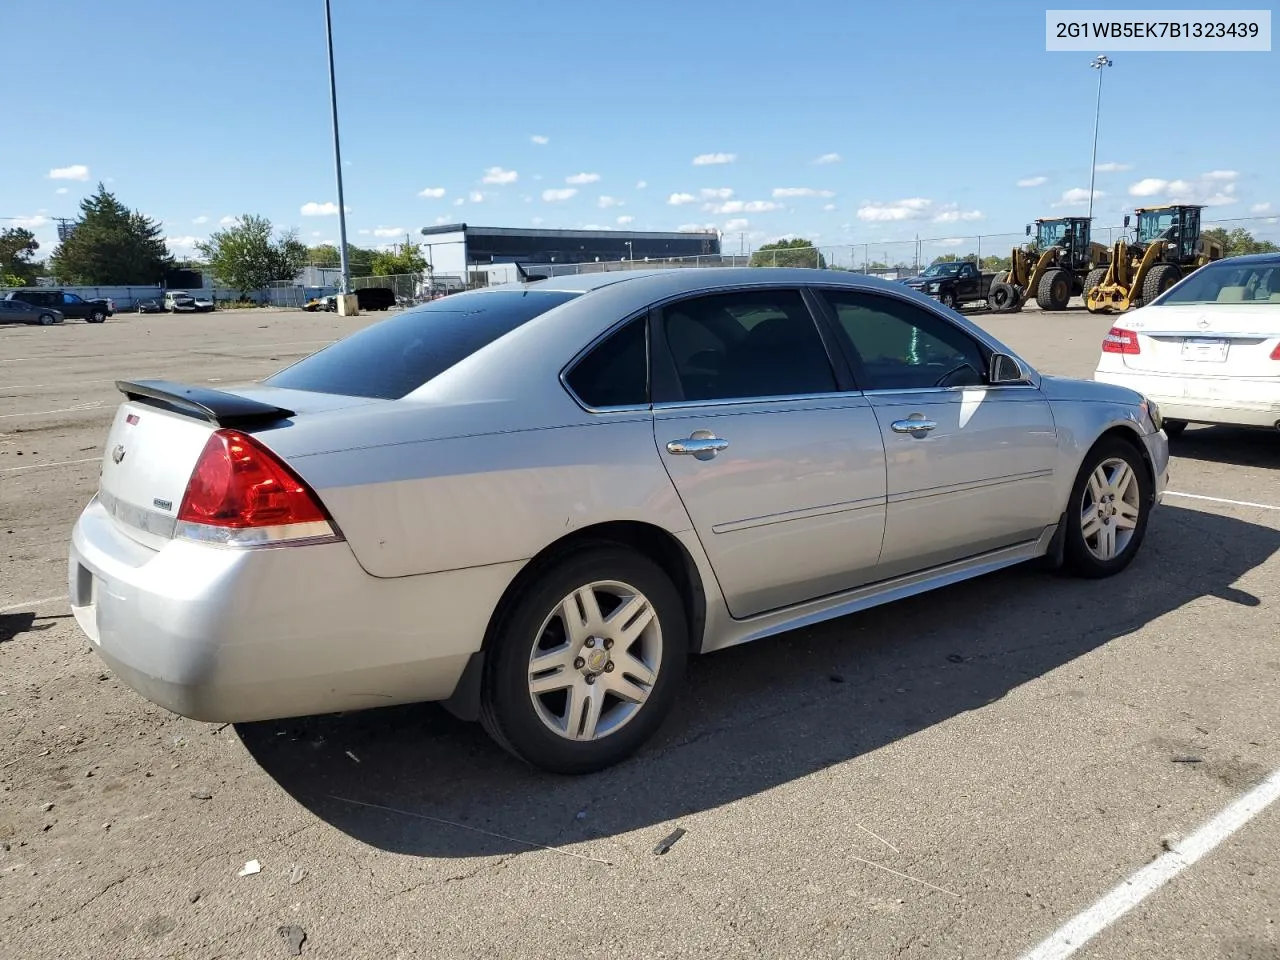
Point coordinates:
[[118, 453]]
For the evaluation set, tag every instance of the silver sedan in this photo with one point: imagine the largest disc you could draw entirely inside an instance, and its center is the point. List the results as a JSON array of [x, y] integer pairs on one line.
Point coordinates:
[[533, 502], [19, 311]]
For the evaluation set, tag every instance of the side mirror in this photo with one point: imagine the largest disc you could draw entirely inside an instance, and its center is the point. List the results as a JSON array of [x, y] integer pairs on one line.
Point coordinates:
[[1126, 221], [1002, 368], [1028, 229]]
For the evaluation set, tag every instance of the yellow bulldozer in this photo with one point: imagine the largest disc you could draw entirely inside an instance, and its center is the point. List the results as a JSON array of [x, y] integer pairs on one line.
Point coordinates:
[[1167, 246], [1060, 263]]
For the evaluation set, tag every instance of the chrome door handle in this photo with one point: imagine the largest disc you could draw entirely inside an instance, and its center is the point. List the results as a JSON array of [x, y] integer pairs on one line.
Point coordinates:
[[914, 426], [700, 447]]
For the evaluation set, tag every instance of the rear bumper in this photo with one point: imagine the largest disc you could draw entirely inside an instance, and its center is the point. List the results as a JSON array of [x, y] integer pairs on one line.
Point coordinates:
[[1225, 400], [234, 635]]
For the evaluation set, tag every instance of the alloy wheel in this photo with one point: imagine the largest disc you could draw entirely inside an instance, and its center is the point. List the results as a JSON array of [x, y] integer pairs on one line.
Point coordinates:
[[1110, 508]]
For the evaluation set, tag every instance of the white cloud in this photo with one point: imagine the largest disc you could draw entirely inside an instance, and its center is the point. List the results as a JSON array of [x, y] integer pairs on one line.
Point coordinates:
[[536, 221], [1032, 181], [641, 184], [200, 219], [1213, 189], [537, 176], [364, 231], [916, 208], [1260, 208], [440, 220], [695, 227], [737, 225], [604, 203], [828, 158], [592, 226], [460, 201], [709, 159], [475, 196], [388, 231], [326, 209], [563, 193], [500, 176], [679, 199], [30, 223], [744, 206], [581, 178], [183, 243], [431, 193], [780, 192], [77, 171], [623, 221], [716, 193], [1113, 167], [315, 233], [61, 190], [540, 139], [228, 221], [828, 207], [1076, 197]]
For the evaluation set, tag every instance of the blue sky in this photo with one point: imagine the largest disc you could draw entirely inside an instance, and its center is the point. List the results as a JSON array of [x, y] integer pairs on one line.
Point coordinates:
[[844, 122]]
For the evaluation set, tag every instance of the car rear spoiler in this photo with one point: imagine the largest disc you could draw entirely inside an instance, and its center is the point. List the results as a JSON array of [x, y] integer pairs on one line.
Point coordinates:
[[216, 406]]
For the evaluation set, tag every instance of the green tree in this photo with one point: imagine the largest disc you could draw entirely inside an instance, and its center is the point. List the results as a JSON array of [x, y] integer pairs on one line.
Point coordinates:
[[405, 258], [789, 253], [17, 247], [248, 255], [1239, 241], [359, 260], [112, 244]]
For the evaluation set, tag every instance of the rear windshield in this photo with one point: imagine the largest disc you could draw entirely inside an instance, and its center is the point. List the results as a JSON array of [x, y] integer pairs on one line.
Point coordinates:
[[1228, 282], [393, 358]]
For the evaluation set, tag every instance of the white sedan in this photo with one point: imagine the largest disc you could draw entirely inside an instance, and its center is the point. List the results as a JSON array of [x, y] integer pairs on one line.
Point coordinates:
[[1208, 349]]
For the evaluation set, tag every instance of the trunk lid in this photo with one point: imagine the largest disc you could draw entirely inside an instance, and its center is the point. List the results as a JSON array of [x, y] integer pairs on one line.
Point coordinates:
[[159, 433], [1205, 341]]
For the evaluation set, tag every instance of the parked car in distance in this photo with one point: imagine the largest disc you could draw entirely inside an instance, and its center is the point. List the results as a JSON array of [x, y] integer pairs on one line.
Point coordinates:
[[19, 311], [533, 501], [149, 306], [327, 303], [952, 283], [1208, 348], [179, 301], [375, 298], [68, 304]]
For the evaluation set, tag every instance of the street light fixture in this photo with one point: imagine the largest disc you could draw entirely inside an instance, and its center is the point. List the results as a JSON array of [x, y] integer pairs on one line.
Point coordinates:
[[345, 281], [1097, 63], [630, 252]]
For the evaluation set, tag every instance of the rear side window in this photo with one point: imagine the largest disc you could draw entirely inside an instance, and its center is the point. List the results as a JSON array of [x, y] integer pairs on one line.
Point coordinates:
[[616, 371], [393, 358]]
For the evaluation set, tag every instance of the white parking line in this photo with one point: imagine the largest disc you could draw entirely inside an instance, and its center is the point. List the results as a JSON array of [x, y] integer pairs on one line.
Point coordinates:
[[28, 604], [1234, 503], [1076, 932], [54, 463], [38, 413]]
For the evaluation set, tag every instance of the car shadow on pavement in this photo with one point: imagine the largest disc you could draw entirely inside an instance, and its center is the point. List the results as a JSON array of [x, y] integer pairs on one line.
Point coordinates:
[[414, 780], [1238, 446]]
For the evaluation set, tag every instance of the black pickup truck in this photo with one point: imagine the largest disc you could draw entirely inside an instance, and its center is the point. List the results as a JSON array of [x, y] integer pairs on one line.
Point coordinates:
[[72, 305], [953, 283]]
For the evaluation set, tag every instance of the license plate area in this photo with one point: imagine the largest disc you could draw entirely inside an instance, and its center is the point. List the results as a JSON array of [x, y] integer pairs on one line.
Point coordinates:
[[1204, 349]]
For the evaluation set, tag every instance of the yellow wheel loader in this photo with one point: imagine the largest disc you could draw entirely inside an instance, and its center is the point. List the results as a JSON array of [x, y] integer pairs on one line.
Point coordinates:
[[1167, 246], [1060, 263]]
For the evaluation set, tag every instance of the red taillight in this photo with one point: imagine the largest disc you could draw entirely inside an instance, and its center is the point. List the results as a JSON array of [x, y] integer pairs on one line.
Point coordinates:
[[238, 485], [1275, 354], [1120, 340]]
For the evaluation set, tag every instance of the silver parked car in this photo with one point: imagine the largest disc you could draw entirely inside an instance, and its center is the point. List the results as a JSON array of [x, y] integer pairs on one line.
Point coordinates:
[[534, 501], [19, 311]]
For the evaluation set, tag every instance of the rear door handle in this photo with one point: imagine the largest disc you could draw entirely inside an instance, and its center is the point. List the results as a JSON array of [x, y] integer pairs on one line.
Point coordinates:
[[914, 426], [699, 447]]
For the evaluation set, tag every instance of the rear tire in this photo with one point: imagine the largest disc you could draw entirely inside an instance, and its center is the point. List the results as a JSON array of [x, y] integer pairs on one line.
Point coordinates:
[[1159, 278], [1093, 279], [544, 716], [1108, 511], [97, 317], [1054, 291], [47, 319], [1173, 428]]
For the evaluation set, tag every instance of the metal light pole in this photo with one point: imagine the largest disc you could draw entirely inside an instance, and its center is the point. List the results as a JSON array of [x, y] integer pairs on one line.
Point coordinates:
[[337, 160], [1097, 63]]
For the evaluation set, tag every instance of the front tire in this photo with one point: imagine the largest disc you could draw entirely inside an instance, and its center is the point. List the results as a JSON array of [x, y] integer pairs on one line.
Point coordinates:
[[587, 662], [97, 317], [1054, 291], [1108, 511], [47, 319]]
